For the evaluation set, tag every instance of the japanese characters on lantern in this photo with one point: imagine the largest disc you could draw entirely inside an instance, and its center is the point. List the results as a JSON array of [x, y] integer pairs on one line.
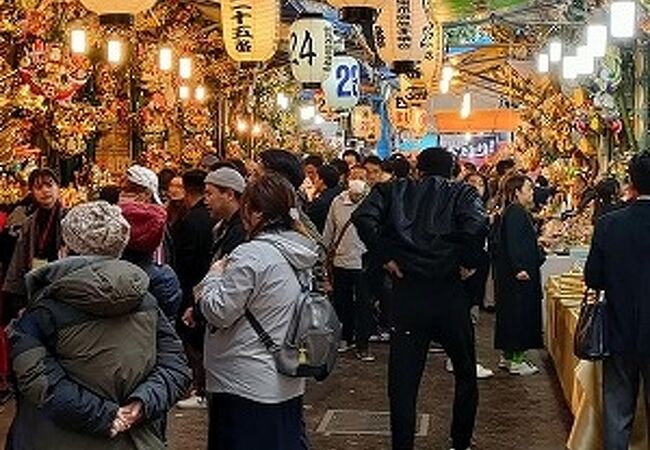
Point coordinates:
[[361, 121], [399, 111], [311, 47], [431, 65], [401, 34], [250, 29], [343, 85]]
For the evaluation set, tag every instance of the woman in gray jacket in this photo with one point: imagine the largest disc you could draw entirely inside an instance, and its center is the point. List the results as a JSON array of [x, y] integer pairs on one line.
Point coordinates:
[[252, 406]]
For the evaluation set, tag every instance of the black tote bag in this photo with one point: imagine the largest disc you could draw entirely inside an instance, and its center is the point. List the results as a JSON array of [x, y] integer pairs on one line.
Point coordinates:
[[590, 339]]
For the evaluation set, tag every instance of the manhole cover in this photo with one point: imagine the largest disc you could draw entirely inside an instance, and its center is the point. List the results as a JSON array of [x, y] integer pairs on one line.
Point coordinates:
[[346, 421]]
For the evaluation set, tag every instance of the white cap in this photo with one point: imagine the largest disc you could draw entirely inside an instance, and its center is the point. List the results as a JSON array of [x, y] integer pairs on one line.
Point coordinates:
[[146, 178]]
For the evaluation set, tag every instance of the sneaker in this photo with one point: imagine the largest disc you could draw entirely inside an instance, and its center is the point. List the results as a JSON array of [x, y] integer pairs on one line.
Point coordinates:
[[523, 369], [449, 367], [482, 373], [365, 356], [345, 347], [504, 364], [193, 402]]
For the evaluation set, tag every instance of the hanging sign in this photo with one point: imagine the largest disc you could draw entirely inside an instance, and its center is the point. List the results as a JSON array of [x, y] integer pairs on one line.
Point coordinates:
[[344, 83], [250, 29], [399, 111], [311, 47]]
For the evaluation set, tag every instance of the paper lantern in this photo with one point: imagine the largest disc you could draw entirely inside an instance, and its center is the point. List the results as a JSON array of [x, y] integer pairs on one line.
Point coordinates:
[[311, 46], [361, 117], [431, 65], [250, 29], [419, 122], [103, 7], [399, 111], [373, 132], [343, 85], [400, 34]]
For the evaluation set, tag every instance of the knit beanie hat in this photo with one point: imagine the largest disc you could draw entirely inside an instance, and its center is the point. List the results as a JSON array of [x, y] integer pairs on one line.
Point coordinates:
[[95, 228], [147, 223]]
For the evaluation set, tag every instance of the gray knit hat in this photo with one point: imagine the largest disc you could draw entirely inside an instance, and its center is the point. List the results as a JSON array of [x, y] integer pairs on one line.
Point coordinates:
[[95, 228]]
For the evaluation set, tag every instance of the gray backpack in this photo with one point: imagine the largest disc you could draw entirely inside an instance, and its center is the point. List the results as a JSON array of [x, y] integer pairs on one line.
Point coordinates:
[[310, 347]]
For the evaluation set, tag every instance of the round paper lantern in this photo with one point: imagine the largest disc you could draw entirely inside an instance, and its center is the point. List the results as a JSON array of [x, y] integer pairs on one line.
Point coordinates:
[[400, 34], [373, 132], [419, 122], [344, 83], [431, 65], [250, 29], [399, 111], [311, 46], [103, 7], [361, 117]]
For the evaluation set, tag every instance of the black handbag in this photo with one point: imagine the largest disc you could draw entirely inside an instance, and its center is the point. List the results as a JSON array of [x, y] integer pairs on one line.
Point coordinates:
[[590, 339]]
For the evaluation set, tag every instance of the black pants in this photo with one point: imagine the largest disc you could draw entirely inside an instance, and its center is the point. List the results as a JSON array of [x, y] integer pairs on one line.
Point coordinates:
[[380, 289], [426, 310], [236, 423], [352, 304], [621, 379]]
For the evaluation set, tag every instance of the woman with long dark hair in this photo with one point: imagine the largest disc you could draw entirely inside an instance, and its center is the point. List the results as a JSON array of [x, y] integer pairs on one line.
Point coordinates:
[[519, 288], [252, 405]]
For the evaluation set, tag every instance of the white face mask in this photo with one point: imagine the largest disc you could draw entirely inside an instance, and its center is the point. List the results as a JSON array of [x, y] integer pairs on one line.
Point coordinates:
[[357, 187]]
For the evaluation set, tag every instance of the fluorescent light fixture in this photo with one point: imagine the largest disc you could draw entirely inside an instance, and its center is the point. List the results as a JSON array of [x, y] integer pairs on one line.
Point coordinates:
[[165, 59], [585, 64], [199, 93], [114, 51], [468, 137], [622, 19], [307, 112], [466, 107], [447, 72], [185, 68], [555, 51], [569, 66], [78, 41], [597, 40], [543, 63], [283, 100], [184, 92]]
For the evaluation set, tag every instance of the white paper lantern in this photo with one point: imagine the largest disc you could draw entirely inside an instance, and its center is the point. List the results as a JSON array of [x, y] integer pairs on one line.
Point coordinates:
[[344, 83], [250, 29], [361, 117], [103, 7], [401, 34], [311, 47]]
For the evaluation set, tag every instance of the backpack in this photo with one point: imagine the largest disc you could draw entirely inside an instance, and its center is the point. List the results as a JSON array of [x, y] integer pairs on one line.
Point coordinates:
[[310, 348]]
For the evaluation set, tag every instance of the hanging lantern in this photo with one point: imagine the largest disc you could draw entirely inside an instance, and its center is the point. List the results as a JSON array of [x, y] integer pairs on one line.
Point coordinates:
[[431, 65], [344, 83], [419, 122], [373, 133], [104, 7], [311, 40], [399, 112], [400, 34], [250, 29], [361, 116]]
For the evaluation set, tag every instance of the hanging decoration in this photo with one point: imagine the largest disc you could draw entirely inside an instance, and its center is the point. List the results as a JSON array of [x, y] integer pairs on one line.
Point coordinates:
[[401, 34], [373, 133], [343, 86], [419, 121], [73, 125], [250, 29], [311, 46], [399, 112], [361, 121]]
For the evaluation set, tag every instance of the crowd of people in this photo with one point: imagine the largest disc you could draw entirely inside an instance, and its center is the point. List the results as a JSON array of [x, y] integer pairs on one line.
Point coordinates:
[[122, 307]]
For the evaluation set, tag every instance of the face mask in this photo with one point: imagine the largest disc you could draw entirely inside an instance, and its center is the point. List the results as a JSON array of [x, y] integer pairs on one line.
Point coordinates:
[[357, 187]]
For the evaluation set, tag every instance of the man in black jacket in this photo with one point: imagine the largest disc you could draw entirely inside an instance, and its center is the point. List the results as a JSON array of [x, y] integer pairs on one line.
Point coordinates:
[[426, 234], [619, 264], [327, 189]]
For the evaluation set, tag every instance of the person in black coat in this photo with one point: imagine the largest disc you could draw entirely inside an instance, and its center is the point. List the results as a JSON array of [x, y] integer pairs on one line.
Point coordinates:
[[327, 188], [619, 264], [519, 287]]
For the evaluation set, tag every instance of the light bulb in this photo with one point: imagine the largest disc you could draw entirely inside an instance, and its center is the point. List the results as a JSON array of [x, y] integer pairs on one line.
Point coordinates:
[[165, 59], [185, 68], [444, 86], [242, 126], [184, 92], [447, 72], [257, 129], [199, 93], [78, 41], [622, 19], [555, 51], [114, 51], [543, 63]]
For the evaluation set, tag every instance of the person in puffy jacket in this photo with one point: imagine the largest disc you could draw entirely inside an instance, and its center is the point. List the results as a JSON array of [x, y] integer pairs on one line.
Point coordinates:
[[251, 405], [97, 365], [147, 223]]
